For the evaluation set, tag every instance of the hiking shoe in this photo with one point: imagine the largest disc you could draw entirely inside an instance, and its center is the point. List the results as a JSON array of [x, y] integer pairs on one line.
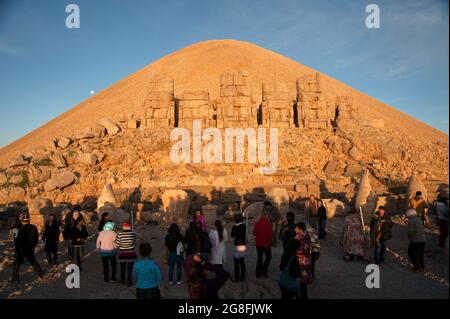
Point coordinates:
[[171, 283], [178, 283]]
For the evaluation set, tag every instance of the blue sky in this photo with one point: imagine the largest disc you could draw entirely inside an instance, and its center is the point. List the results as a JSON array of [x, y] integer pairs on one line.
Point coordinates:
[[46, 69]]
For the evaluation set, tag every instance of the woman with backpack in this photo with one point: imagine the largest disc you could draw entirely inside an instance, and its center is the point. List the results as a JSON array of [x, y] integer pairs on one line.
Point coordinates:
[[239, 233], [174, 243]]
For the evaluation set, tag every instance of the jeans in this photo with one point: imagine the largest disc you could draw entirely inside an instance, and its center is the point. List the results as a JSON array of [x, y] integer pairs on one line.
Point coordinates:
[[322, 233], [77, 255], [303, 291], [177, 260], [239, 268], [261, 268], [20, 258], [106, 260], [415, 253], [274, 234], [126, 272], [443, 231], [314, 222], [380, 249]]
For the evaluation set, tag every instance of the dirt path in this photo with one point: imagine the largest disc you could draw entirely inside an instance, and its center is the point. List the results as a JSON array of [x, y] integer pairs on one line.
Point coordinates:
[[334, 277]]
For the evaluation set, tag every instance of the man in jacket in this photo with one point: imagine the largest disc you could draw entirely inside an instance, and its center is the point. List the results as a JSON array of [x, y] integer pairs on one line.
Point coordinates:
[[380, 231], [417, 239], [312, 211], [274, 217], [419, 204], [287, 232], [26, 241], [263, 237]]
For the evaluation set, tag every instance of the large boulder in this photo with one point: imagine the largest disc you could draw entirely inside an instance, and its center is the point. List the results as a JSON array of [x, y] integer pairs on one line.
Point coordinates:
[[176, 203], [111, 127], [64, 179], [87, 159]]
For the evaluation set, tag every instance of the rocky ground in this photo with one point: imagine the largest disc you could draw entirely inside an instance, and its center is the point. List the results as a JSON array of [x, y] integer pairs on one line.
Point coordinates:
[[335, 278]]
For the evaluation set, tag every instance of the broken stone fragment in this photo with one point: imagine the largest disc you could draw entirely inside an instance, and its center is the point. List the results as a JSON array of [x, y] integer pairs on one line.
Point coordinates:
[[111, 127], [87, 159], [64, 142], [64, 179], [20, 161]]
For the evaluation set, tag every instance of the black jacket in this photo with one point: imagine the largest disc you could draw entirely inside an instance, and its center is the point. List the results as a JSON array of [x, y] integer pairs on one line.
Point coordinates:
[[322, 212], [172, 240], [238, 232], [51, 234], [79, 236], [27, 238]]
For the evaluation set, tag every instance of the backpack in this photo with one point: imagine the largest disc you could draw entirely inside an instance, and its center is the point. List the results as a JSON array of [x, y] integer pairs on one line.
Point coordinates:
[[288, 277], [207, 246], [180, 249]]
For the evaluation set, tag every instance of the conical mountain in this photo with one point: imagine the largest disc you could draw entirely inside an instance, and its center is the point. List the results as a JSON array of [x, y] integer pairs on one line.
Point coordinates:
[[198, 67]]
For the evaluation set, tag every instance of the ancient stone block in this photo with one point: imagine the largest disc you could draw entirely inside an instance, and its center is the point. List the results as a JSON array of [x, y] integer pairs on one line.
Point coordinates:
[[176, 203], [279, 197]]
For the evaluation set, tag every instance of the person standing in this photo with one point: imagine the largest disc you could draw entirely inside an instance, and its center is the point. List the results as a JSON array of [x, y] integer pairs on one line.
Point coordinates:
[[218, 237], [263, 240], [201, 286], [147, 275], [200, 219], [303, 255], [287, 232], [315, 247], [70, 222], [419, 204], [173, 241], [322, 215], [290, 272], [193, 239], [105, 243], [380, 232], [274, 217], [239, 233], [50, 236], [353, 239], [125, 243], [78, 237], [26, 241], [417, 239], [312, 210], [442, 219], [105, 218]]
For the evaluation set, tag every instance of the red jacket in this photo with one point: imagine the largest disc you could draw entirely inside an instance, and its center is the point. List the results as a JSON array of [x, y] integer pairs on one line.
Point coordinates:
[[263, 233]]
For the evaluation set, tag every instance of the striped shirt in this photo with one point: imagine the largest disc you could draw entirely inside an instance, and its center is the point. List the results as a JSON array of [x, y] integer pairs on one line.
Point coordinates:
[[125, 240]]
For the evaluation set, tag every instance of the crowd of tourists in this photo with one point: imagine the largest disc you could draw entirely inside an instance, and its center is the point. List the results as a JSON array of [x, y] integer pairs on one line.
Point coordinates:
[[199, 254]]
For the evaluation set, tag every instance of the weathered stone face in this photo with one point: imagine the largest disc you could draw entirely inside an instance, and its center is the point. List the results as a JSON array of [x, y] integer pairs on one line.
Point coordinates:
[[279, 197], [107, 197]]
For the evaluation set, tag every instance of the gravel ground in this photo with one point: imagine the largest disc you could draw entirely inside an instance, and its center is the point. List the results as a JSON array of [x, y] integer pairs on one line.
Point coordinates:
[[334, 277]]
